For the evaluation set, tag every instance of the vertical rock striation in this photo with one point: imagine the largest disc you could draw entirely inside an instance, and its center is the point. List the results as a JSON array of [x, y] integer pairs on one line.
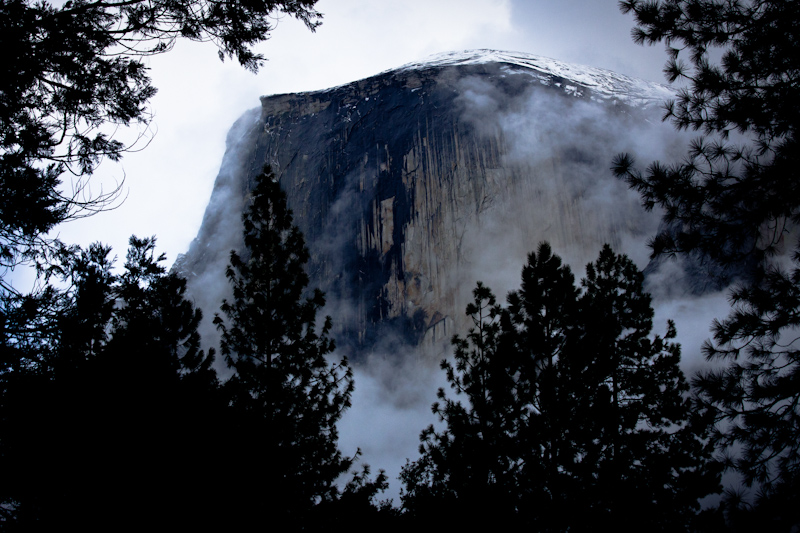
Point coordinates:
[[412, 184]]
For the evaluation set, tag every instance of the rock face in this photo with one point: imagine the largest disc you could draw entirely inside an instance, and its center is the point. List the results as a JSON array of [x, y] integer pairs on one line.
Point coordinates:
[[411, 185]]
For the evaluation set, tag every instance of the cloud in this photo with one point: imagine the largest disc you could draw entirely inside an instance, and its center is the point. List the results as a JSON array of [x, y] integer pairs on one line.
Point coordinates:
[[556, 183], [394, 390]]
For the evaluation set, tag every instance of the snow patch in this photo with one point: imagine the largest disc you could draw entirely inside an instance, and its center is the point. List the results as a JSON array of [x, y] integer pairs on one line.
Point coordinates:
[[602, 82]]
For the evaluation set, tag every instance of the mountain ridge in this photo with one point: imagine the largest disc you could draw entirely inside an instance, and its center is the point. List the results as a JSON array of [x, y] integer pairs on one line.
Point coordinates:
[[410, 183], [605, 82]]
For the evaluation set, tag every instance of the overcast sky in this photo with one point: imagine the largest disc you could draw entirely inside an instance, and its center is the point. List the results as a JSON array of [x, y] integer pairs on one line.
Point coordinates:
[[169, 181]]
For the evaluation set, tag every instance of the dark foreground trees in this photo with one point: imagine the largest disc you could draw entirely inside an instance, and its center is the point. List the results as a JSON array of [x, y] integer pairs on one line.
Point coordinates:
[[756, 396], [75, 73], [286, 396], [110, 412], [734, 200], [735, 193], [113, 394], [643, 440], [575, 416], [474, 463]]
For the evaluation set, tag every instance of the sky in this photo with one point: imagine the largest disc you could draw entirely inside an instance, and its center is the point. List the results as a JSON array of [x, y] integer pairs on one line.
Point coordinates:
[[167, 181]]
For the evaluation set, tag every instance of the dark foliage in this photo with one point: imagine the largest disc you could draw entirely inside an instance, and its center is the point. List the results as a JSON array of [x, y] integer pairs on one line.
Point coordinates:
[[75, 73], [576, 417], [640, 438], [115, 395], [470, 470], [758, 393], [735, 199], [285, 394], [735, 194], [538, 325]]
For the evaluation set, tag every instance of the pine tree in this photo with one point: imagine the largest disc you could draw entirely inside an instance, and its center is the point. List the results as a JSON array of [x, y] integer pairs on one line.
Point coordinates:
[[757, 395], [734, 196], [164, 399], [286, 395], [734, 200], [76, 72], [537, 326], [576, 417], [470, 469], [121, 402], [156, 318], [638, 437]]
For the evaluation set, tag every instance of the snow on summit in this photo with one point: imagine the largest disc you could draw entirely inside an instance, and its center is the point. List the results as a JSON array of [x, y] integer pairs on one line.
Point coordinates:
[[603, 83]]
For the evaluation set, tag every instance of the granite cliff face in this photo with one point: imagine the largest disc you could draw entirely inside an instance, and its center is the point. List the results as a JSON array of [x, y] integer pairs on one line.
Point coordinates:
[[411, 185]]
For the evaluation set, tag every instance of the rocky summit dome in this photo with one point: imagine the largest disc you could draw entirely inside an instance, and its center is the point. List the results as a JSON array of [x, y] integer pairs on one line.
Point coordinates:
[[413, 184]]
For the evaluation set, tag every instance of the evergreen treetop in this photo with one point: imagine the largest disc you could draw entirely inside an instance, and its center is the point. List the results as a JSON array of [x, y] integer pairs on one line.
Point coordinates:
[[735, 200], [575, 416], [287, 394], [114, 400]]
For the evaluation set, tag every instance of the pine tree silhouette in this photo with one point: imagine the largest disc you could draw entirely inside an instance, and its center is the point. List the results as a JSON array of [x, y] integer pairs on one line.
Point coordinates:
[[286, 395]]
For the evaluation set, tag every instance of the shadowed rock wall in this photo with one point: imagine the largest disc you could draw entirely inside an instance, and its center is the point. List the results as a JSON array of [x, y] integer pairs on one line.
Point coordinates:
[[411, 185]]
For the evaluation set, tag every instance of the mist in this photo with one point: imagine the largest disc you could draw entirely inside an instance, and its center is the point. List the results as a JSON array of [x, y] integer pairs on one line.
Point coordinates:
[[552, 182], [538, 127]]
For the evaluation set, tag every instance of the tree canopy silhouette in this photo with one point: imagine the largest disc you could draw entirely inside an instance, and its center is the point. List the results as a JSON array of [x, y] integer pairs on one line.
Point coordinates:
[[735, 199], [472, 465], [575, 416], [286, 394], [114, 395], [75, 73], [735, 193], [642, 440]]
